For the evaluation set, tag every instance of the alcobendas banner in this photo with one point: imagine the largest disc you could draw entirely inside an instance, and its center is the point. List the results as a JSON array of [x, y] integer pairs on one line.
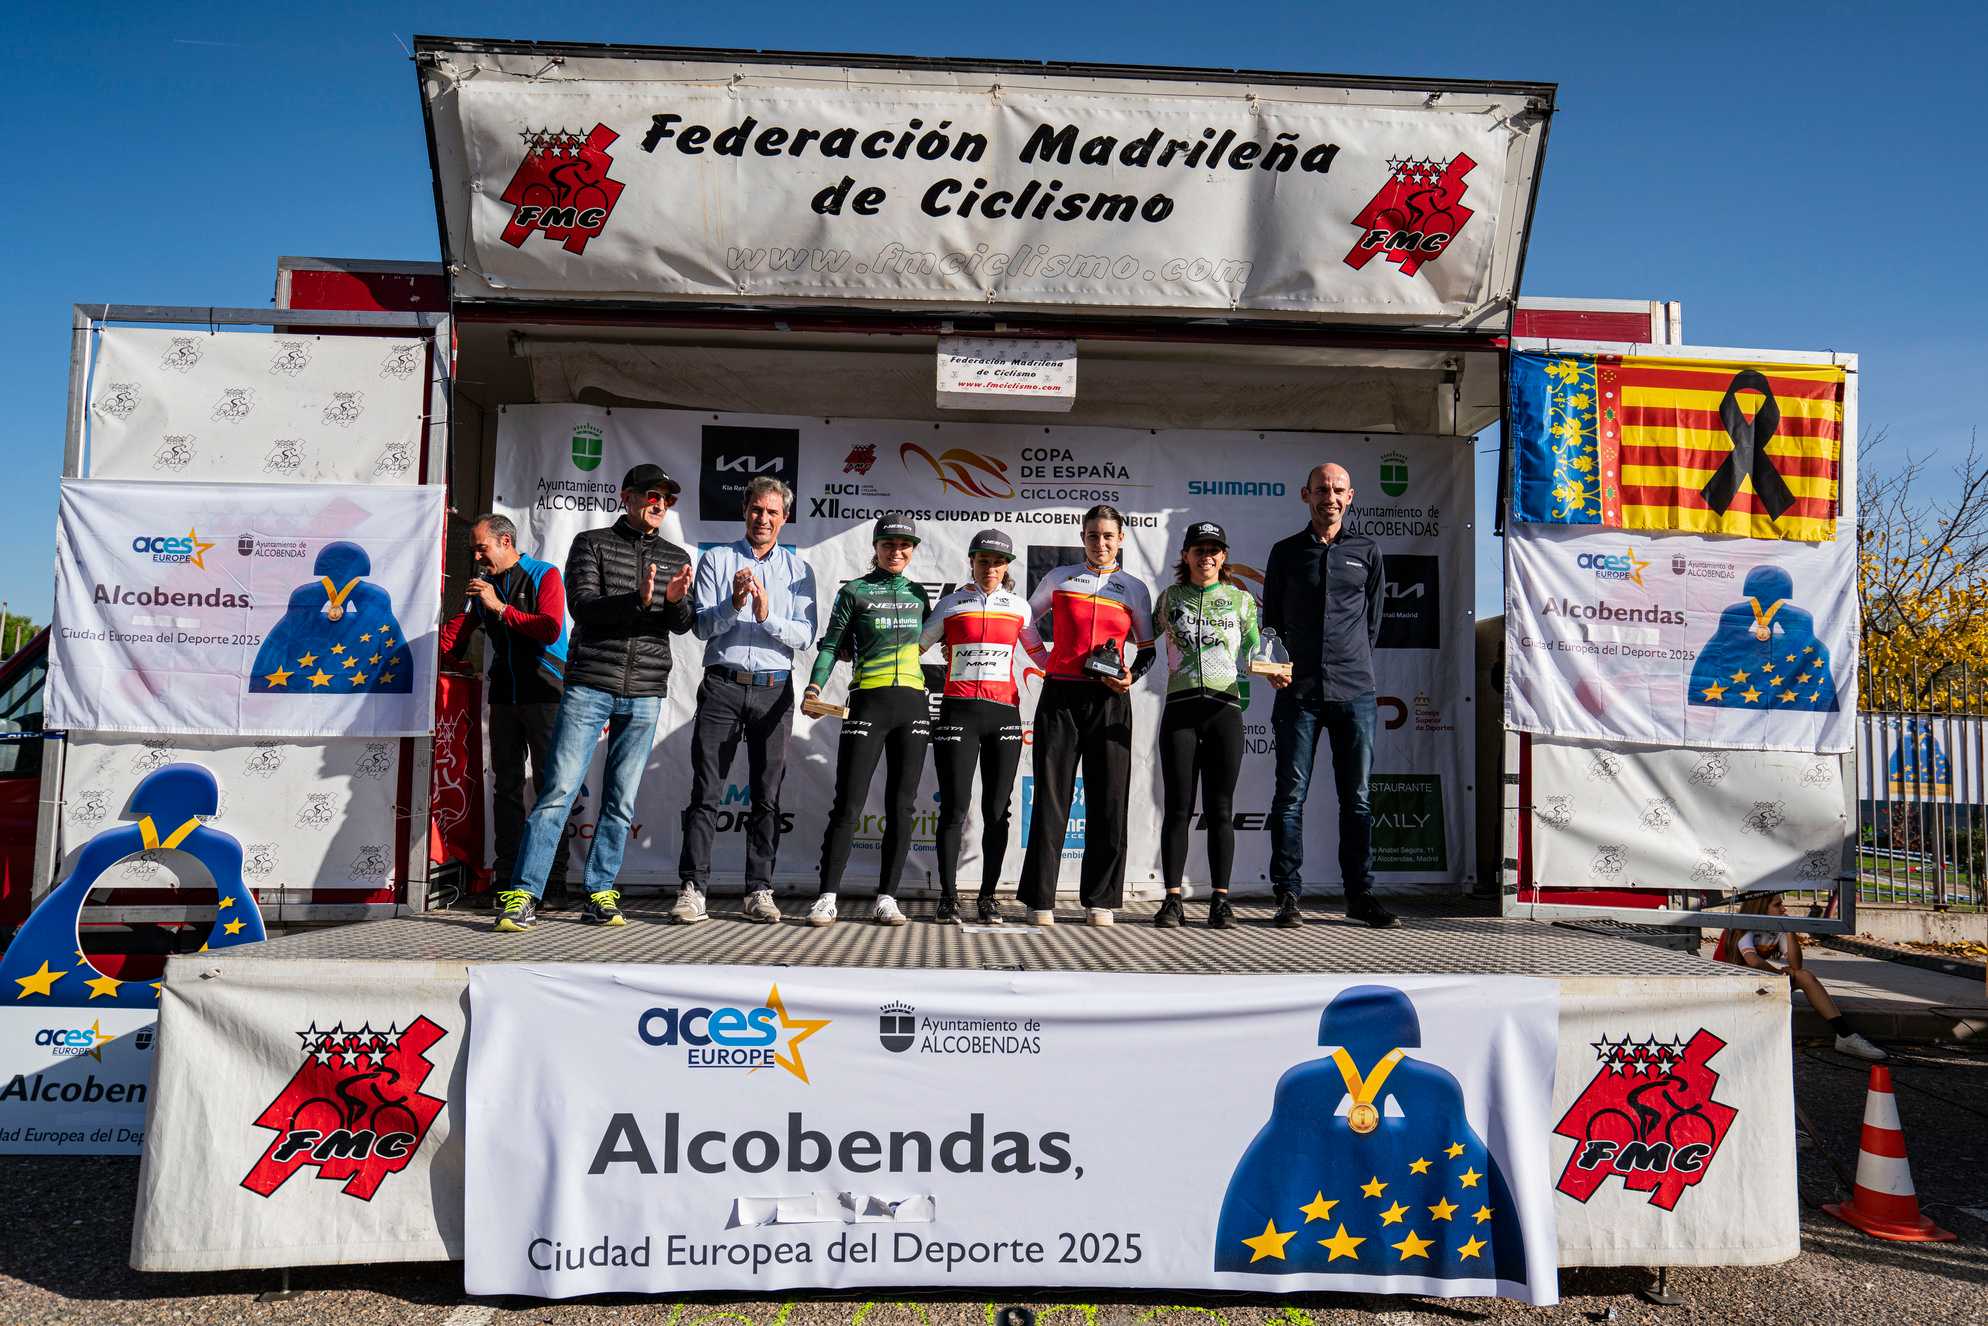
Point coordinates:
[[245, 609], [559, 468], [715, 1128]]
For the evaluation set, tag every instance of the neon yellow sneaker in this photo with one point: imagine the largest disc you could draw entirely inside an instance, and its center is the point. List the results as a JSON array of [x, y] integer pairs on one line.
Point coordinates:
[[603, 908], [515, 913]]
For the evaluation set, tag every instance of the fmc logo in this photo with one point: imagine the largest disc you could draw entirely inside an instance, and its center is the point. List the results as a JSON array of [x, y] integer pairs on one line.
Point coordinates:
[[561, 188], [1626, 566], [184, 548], [731, 1037]]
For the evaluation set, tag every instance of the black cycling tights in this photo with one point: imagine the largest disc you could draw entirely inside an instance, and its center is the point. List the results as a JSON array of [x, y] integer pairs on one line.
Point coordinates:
[[984, 735], [891, 723], [1200, 738]]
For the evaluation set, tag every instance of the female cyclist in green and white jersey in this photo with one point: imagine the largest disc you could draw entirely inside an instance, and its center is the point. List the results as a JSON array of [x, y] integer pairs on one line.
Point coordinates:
[[1210, 624]]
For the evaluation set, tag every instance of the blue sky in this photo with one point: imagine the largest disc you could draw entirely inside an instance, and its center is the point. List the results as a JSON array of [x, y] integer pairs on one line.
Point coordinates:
[[1800, 176]]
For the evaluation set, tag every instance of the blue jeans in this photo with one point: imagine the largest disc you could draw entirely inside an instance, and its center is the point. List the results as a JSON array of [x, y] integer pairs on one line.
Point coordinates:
[[1295, 721], [631, 726]]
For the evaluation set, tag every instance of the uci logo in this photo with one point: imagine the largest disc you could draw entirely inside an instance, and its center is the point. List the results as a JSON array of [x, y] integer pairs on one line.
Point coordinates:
[[185, 548], [767, 1036]]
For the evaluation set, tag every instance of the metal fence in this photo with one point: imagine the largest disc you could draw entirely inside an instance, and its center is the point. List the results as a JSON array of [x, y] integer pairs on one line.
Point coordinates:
[[1922, 806]]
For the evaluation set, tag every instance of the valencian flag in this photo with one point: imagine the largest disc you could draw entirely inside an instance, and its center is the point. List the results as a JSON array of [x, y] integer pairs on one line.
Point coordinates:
[[1368, 1164], [1764, 653], [1677, 444], [338, 635]]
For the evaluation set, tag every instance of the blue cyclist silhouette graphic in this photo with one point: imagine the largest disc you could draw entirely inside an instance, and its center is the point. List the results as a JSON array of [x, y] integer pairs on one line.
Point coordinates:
[[45, 963], [1368, 1164], [338, 636], [1764, 654]]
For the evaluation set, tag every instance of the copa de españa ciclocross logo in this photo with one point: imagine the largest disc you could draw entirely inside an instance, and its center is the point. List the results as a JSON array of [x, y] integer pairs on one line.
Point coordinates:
[[728, 1036], [561, 188]]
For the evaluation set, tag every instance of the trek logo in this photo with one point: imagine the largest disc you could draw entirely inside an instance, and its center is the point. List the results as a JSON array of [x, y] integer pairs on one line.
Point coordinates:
[[1416, 214], [1608, 566], [734, 457], [74, 1042], [728, 1037], [185, 549], [561, 189]]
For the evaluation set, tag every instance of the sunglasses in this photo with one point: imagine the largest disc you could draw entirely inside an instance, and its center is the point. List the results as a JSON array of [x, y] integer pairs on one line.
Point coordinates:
[[655, 495]]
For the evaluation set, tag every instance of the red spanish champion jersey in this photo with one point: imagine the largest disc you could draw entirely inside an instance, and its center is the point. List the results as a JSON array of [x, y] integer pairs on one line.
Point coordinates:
[[979, 632], [1087, 608]]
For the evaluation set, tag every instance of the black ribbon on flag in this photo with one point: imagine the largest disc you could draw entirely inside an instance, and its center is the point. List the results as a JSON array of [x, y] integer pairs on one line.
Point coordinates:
[[1749, 457]]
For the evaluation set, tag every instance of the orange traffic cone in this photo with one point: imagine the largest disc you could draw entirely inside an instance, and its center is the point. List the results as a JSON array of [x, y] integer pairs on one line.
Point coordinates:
[[1883, 1203]]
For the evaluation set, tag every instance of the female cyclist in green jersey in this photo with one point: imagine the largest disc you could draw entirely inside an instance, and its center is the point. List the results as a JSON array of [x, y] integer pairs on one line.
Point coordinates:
[[1210, 624], [876, 624]]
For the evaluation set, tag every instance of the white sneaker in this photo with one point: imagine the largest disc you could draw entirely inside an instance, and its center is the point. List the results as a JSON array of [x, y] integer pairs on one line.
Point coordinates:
[[1857, 1047], [1042, 918], [1099, 916], [759, 906], [689, 909], [886, 913], [823, 912]]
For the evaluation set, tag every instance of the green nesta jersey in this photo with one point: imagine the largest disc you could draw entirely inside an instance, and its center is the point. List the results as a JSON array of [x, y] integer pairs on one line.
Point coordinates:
[[1211, 632], [875, 623]]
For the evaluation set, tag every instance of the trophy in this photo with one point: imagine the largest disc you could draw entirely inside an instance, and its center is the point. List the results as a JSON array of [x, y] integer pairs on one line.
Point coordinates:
[[822, 707], [1271, 659], [1106, 660]]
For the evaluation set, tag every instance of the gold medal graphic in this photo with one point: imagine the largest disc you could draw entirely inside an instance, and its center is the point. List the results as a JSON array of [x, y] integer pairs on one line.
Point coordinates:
[[1364, 1118]]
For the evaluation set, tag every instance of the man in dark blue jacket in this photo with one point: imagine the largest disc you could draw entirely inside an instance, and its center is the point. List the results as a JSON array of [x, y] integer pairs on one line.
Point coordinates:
[[1322, 595]]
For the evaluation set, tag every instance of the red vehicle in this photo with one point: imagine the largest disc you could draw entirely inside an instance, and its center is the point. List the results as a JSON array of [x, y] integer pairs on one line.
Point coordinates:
[[21, 678]]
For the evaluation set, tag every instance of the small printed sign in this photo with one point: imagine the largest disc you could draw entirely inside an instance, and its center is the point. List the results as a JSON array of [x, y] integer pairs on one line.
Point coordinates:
[[988, 373]]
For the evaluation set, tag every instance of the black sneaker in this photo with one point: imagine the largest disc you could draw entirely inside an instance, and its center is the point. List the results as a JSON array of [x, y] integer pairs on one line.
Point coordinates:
[[515, 912], [987, 911], [603, 908], [1364, 908], [1221, 916], [1169, 917], [1288, 916], [947, 912]]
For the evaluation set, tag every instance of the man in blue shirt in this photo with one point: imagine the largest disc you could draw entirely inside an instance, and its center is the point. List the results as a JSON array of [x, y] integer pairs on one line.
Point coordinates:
[[755, 607]]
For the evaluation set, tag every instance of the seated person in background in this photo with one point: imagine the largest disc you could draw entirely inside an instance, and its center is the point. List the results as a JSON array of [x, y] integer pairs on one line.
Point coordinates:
[[1781, 951]]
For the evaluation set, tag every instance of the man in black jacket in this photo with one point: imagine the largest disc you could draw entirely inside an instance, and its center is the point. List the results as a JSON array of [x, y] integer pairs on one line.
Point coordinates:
[[1322, 594], [628, 591]]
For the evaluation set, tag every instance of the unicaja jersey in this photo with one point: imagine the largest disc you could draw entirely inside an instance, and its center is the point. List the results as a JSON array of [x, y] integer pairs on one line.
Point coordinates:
[[1087, 608], [980, 631], [876, 624], [1211, 633]]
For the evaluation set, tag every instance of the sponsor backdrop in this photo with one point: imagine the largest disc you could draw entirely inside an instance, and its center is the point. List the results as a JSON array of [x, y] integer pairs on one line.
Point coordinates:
[[721, 1129], [1682, 640], [1606, 815], [245, 609], [558, 471], [74, 1081], [256, 408], [1015, 194]]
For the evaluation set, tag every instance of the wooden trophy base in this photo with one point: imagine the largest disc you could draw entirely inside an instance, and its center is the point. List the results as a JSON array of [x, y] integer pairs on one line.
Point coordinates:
[[823, 709]]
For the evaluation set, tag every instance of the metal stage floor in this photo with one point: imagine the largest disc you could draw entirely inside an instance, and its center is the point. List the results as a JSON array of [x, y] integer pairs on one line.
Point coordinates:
[[1422, 943]]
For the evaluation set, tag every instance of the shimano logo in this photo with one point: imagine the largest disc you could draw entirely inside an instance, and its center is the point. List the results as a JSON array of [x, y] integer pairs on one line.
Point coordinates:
[[1233, 488]]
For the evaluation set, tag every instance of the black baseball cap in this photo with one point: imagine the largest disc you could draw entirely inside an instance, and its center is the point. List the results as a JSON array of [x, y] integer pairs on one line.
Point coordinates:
[[645, 477], [992, 541], [1203, 531], [894, 525]]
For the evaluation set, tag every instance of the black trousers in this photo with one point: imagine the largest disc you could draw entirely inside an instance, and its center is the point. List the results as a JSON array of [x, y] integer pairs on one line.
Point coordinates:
[[986, 735], [1079, 723], [892, 724], [727, 713], [518, 732], [1201, 740]]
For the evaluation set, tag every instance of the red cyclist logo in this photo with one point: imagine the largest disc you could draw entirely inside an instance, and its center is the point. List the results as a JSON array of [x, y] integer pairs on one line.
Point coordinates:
[[1415, 215], [562, 187], [1647, 1117], [354, 1108]]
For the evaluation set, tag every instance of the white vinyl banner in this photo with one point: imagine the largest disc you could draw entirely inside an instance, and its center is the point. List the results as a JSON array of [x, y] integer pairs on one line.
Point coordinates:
[[1612, 816], [73, 1081], [245, 609], [250, 407], [1681, 639], [663, 180], [723, 1128], [313, 814], [558, 469]]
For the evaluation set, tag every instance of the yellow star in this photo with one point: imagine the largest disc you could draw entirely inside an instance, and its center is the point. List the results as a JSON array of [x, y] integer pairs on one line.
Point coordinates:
[[1453, 1150], [1792, 657], [1469, 1178], [158, 986], [41, 983], [366, 638], [1342, 1244], [338, 649], [199, 550], [374, 659], [1787, 697], [386, 679], [225, 903], [1804, 677], [1483, 1214], [1815, 694], [305, 660], [348, 662], [1443, 1209], [1740, 676], [1418, 1167], [1393, 1215], [234, 927], [387, 643], [104, 987], [1373, 1187], [792, 1061], [357, 679], [201, 949], [1268, 1244], [280, 677], [1749, 695], [1470, 1249], [1715, 692], [386, 626], [1773, 682], [320, 678], [1413, 1246], [1318, 1208], [1808, 649]]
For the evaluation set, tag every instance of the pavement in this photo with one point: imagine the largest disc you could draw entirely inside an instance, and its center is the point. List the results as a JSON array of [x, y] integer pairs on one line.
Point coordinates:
[[1893, 1002]]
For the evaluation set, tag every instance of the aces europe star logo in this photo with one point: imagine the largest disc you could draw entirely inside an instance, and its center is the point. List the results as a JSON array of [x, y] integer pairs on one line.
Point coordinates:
[[561, 188]]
